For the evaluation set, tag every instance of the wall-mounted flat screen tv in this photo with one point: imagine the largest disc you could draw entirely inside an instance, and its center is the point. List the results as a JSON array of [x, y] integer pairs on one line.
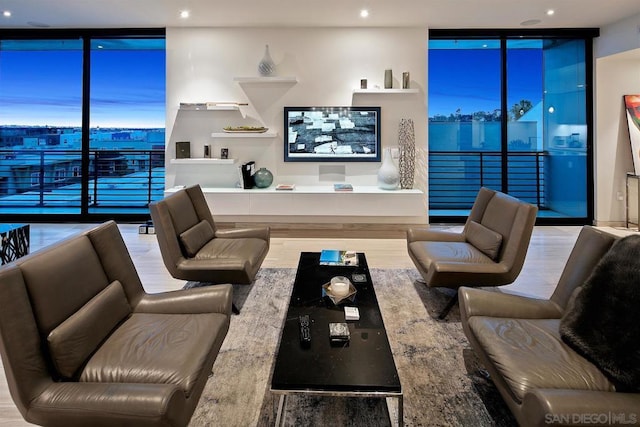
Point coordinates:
[[332, 134]]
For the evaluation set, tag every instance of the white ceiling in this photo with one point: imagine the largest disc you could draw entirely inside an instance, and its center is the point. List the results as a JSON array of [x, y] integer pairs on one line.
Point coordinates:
[[307, 13]]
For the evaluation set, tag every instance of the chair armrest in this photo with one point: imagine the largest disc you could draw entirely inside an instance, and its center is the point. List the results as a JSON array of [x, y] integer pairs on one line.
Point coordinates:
[[548, 407], [76, 403], [243, 233], [205, 299], [426, 234], [478, 302]]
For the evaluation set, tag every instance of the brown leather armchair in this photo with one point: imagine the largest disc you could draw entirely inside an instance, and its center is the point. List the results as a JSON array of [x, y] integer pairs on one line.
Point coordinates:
[[83, 344], [490, 250], [543, 380], [193, 248]]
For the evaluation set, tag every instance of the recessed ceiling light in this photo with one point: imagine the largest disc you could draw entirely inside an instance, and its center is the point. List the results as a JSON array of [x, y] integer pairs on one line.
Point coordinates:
[[184, 14], [530, 22], [6, 13], [364, 13], [550, 12]]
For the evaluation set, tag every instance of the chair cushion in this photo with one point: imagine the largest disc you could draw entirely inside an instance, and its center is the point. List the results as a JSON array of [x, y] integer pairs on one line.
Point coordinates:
[[483, 238], [75, 339], [529, 354], [601, 315], [196, 237], [249, 250], [158, 349]]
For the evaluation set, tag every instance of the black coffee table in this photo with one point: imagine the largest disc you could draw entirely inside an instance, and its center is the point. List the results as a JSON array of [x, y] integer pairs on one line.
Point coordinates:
[[363, 367]]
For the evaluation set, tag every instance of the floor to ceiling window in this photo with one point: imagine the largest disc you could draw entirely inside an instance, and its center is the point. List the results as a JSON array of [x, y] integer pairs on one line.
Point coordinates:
[[81, 123], [512, 113], [40, 125]]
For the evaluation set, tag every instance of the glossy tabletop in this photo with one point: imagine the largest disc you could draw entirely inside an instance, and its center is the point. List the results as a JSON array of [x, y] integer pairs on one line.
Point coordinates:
[[364, 364]]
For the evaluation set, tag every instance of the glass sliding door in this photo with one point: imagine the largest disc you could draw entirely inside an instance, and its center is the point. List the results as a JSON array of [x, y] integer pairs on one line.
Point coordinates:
[[40, 126], [565, 127], [464, 122], [525, 155], [535, 143], [127, 124]]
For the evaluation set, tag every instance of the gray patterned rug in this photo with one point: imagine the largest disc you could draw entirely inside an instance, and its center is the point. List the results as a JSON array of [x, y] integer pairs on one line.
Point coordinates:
[[442, 380]]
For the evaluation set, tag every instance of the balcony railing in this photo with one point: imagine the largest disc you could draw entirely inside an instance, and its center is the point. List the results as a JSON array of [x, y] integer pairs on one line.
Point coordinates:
[[456, 176], [118, 180]]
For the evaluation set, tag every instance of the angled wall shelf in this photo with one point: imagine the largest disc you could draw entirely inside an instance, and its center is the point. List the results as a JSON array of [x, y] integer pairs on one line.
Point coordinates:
[[202, 161], [244, 134], [266, 79], [210, 108], [387, 91]]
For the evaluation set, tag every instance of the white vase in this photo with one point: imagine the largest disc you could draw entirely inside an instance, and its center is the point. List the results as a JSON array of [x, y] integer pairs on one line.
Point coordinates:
[[266, 67], [388, 174]]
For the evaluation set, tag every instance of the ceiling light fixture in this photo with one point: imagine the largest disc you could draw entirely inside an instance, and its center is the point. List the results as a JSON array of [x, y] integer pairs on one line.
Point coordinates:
[[550, 12], [184, 14], [6, 14], [364, 13], [530, 22]]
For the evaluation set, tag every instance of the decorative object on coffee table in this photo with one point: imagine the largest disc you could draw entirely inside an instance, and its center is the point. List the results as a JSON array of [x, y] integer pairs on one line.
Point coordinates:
[[266, 67], [407, 145], [388, 174], [263, 178]]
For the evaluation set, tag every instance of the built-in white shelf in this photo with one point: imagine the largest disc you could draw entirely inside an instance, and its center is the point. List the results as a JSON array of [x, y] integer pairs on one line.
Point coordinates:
[[211, 108], [202, 161], [266, 79], [304, 201], [380, 91], [244, 134]]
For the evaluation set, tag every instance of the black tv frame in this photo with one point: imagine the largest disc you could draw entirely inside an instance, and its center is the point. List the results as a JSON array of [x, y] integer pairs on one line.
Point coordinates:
[[297, 155]]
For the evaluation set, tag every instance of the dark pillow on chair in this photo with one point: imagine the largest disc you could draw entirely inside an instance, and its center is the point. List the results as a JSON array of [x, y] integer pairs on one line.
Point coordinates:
[[484, 239], [194, 238], [75, 339], [601, 319]]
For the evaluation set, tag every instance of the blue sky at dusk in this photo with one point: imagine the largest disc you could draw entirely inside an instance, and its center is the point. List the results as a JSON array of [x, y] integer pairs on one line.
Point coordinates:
[[469, 79], [45, 87]]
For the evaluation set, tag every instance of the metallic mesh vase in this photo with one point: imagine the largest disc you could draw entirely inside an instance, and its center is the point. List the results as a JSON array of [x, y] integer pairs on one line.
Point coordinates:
[[407, 146]]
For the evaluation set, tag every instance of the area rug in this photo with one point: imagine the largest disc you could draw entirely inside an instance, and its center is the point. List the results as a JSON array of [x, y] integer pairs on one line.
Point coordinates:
[[442, 380]]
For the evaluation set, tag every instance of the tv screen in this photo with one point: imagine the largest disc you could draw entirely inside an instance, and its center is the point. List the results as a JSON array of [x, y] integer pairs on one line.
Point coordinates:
[[332, 134]]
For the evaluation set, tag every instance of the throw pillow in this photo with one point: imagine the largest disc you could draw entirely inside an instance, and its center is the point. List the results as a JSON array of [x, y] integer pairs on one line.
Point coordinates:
[[601, 319], [74, 340], [194, 238], [484, 239]]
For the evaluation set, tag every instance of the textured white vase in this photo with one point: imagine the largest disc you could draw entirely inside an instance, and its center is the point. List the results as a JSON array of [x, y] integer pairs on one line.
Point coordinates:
[[388, 174], [266, 67]]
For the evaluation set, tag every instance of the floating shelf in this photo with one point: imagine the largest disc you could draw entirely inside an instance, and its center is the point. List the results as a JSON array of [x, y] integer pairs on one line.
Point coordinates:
[[203, 161], [379, 91], [266, 79], [244, 135]]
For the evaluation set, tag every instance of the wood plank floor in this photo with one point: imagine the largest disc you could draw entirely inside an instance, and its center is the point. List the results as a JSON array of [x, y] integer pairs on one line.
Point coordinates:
[[548, 251]]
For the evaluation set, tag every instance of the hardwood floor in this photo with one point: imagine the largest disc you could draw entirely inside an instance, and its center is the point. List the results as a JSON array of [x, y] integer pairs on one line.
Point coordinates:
[[548, 251]]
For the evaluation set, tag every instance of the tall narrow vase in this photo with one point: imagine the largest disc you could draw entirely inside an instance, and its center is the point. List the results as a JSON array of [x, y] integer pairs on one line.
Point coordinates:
[[388, 175], [407, 145], [266, 67]]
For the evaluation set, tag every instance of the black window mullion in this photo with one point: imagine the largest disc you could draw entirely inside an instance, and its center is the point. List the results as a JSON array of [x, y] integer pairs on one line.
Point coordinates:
[[504, 119], [86, 123]]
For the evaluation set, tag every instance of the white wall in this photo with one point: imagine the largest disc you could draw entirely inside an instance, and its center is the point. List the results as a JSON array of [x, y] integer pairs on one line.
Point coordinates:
[[328, 64], [616, 74], [618, 37]]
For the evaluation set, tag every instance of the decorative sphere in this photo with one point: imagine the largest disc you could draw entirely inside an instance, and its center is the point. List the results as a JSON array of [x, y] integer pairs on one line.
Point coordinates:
[[263, 178]]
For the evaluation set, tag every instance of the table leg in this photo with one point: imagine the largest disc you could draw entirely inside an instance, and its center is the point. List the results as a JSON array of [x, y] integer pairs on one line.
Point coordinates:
[[282, 402], [400, 412]]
